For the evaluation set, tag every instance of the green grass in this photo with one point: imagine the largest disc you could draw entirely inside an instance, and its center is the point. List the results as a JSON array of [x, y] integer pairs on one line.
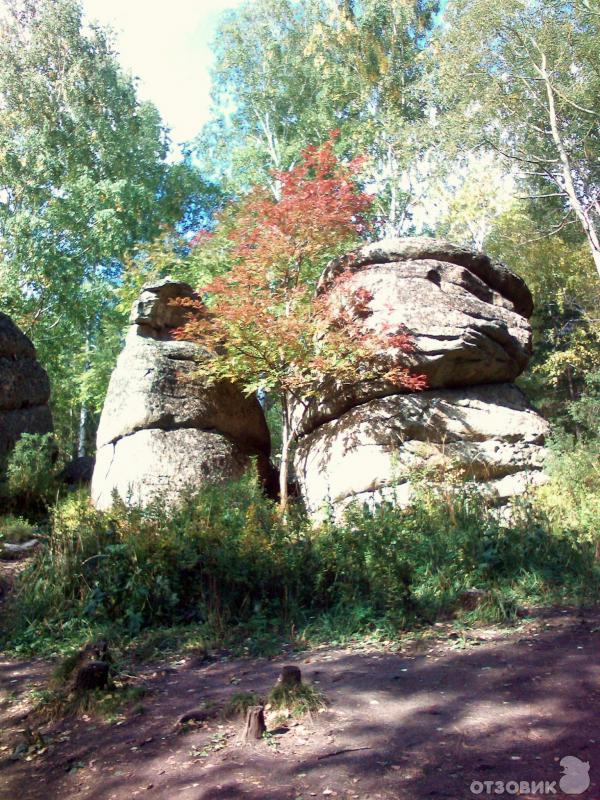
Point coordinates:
[[16, 530], [298, 699], [225, 570], [108, 704], [239, 703]]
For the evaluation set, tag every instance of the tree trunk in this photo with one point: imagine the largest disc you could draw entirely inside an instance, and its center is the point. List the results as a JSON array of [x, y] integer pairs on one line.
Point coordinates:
[[290, 676], [254, 727], [81, 444], [284, 467], [83, 411], [578, 207]]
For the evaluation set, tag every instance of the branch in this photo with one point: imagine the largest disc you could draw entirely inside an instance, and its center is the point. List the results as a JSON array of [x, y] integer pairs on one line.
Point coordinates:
[[575, 105], [535, 160], [554, 231], [586, 5], [540, 196]]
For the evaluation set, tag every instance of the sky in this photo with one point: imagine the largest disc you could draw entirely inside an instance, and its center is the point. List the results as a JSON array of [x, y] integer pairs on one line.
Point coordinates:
[[167, 46]]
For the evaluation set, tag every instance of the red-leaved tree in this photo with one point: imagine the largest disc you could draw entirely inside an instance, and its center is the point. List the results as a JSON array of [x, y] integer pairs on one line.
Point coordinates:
[[261, 322]]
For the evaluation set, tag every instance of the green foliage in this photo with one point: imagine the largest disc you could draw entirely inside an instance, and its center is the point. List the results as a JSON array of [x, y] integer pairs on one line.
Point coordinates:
[[239, 704], [298, 699], [104, 704], [521, 78], [402, 565], [16, 530], [83, 177], [560, 273], [585, 411], [572, 498], [226, 568], [31, 470], [211, 561], [289, 71]]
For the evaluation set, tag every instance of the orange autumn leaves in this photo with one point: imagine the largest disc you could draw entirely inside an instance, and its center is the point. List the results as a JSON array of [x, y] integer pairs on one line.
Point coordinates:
[[261, 320]]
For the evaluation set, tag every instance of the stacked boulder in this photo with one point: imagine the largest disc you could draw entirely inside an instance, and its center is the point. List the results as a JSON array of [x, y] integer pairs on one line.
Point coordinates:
[[24, 388], [467, 318], [163, 430]]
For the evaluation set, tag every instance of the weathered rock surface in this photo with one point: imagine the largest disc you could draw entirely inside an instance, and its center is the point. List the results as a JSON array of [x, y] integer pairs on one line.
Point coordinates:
[[489, 434], [504, 287], [162, 430], [24, 387], [467, 318]]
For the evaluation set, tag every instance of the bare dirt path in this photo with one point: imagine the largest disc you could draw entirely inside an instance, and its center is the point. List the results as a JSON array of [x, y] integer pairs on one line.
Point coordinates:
[[421, 723]]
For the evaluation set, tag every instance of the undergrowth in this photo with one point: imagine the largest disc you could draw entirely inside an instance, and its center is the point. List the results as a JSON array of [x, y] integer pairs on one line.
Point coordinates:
[[298, 699], [226, 570]]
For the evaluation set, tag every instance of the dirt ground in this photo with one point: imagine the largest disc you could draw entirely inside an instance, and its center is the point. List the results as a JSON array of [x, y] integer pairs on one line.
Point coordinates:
[[424, 722]]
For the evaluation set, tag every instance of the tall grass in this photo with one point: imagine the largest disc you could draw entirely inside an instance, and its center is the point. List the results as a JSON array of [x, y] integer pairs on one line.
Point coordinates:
[[226, 561]]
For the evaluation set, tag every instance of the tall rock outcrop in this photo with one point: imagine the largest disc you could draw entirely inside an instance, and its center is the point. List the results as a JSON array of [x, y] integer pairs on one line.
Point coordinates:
[[468, 322], [24, 388], [162, 430]]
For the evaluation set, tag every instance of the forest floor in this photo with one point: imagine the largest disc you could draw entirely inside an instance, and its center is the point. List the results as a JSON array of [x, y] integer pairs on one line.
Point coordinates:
[[492, 704]]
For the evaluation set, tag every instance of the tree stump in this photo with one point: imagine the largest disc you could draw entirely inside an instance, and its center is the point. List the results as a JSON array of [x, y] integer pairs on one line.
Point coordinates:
[[254, 727], [290, 677], [91, 675], [91, 668]]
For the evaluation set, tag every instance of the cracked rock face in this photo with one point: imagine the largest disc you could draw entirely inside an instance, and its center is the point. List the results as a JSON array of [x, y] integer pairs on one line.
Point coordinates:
[[489, 434], [467, 318], [162, 430], [24, 388]]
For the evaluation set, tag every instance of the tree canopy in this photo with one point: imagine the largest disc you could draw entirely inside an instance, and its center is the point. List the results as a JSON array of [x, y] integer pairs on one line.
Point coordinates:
[[83, 178], [476, 122]]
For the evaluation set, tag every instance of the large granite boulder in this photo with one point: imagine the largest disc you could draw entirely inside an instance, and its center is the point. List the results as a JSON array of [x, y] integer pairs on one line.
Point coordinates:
[[503, 287], [466, 316], [24, 388], [487, 434], [162, 429], [467, 319]]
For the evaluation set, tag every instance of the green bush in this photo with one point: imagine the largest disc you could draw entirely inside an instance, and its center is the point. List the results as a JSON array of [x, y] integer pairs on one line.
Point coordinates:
[[16, 530], [30, 470], [227, 565], [571, 499], [585, 411], [224, 556], [402, 565]]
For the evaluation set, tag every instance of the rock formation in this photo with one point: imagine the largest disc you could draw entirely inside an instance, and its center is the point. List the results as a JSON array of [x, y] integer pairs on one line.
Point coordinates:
[[162, 429], [468, 322], [24, 388]]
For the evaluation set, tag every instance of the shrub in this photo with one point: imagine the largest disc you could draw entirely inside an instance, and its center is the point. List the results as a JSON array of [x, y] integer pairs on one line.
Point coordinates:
[[222, 557], [227, 565], [16, 530], [30, 470], [571, 499]]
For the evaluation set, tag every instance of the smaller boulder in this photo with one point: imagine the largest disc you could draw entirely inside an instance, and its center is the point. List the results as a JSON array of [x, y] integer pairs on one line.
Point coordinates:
[[24, 388]]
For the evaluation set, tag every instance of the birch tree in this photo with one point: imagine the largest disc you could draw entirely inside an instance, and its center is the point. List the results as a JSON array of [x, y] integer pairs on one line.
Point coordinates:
[[287, 72], [521, 77], [83, 177]]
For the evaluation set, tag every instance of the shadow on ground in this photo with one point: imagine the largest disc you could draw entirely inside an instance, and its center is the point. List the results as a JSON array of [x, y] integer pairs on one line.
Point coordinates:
[[422, 723]]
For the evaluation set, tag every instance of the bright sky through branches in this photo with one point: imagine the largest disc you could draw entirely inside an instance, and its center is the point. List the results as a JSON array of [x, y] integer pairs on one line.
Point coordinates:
[[167, 46]]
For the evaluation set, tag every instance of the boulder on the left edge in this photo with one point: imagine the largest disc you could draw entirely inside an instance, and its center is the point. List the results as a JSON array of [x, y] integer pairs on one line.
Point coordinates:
[[24, 388], [163, 431]]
